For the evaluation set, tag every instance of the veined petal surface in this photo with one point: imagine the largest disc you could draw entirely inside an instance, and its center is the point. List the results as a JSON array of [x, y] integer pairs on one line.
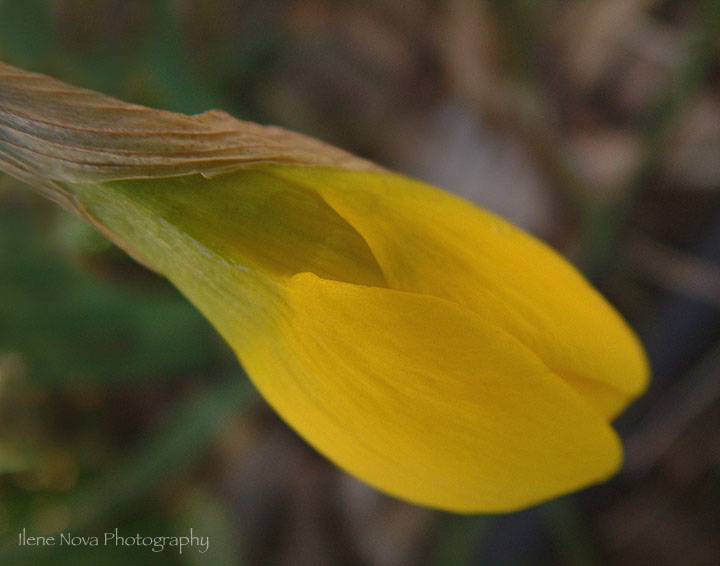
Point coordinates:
[[430, 242], [425, 399]]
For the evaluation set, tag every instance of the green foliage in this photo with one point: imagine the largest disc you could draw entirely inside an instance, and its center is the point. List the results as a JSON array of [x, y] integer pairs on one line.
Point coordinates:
[[70, 326]]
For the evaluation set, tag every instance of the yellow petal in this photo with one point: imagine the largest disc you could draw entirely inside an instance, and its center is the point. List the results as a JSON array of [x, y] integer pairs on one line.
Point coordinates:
[[415, 394], [428, 241], [425, 399]]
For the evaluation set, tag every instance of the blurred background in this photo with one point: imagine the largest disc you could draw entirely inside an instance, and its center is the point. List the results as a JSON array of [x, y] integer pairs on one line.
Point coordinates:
[[593, 124]]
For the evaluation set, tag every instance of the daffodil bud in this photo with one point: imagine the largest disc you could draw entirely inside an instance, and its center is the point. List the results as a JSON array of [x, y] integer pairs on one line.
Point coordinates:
[[424, 345]]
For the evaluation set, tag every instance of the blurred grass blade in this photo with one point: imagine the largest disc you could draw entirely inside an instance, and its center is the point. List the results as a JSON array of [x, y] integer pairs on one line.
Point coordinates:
[[167, 453], [458, 539], [13, 460]]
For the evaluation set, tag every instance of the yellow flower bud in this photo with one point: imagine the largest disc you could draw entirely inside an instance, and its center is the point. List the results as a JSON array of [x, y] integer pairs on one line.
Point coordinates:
[[424, 345]]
